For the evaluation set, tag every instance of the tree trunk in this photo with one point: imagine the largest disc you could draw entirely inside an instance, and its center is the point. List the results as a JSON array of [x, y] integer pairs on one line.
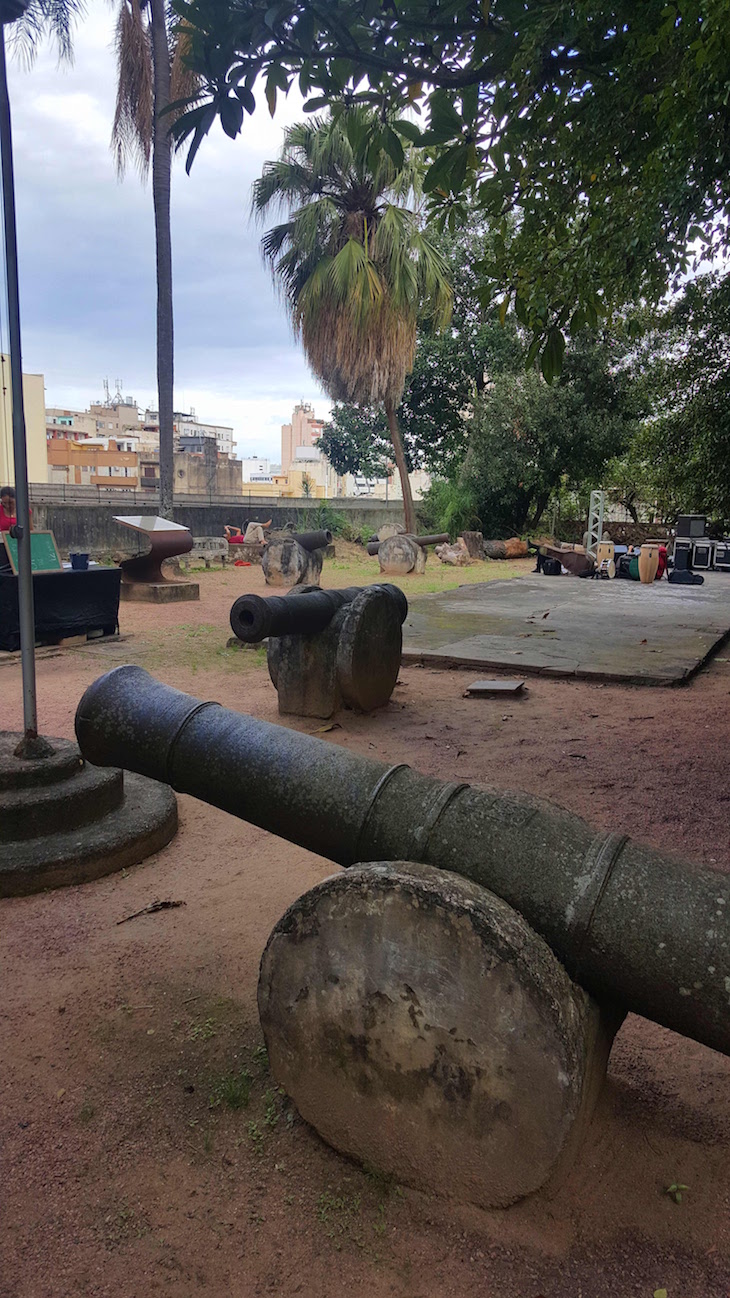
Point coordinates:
[[161, 168], [400, 459]]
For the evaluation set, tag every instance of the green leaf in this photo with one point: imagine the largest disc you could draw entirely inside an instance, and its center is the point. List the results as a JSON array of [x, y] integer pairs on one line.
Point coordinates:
[[408, 130], [443, 117], [314, 105], [246, 98], [231, 115], [503, 310], [552, 356], [207, 119], [660, 1293], [532, 351], [438, 175], [393, 147], [521, 311]]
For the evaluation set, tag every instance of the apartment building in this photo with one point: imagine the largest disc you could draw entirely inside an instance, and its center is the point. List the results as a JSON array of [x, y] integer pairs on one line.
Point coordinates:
[[93, 462], [304, 430], [34, 402]]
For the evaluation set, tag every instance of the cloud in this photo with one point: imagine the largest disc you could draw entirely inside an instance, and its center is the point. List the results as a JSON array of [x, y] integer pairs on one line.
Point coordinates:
[[87, 258]]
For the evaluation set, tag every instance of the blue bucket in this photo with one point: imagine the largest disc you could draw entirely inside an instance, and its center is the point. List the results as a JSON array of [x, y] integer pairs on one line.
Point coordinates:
[[79, 562]]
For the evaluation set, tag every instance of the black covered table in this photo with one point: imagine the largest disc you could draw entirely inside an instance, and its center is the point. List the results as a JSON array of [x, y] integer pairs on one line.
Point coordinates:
[[66, 603]]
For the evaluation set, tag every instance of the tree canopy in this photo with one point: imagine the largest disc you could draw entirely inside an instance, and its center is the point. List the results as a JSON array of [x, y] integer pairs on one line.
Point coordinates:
[[680, 461], [450, 370], [603, 124], [355, 266]]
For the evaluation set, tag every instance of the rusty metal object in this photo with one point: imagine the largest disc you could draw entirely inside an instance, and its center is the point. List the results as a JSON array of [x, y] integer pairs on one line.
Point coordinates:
[[167, 541], [309, 610], [438, 539], [629, 923]]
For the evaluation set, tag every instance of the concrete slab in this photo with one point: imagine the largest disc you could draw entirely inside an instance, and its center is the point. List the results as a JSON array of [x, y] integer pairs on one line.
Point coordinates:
[[564, 626]]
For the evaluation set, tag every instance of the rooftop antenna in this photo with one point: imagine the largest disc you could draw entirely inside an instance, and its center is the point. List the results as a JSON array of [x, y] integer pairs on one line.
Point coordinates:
[[118, 397], [107, 397]]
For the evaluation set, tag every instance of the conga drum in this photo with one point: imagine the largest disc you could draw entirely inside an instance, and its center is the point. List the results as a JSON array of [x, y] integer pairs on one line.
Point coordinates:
[[648, 563]]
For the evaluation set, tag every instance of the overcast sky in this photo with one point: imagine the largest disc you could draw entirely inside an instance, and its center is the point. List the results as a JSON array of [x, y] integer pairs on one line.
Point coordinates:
[[86, 249]]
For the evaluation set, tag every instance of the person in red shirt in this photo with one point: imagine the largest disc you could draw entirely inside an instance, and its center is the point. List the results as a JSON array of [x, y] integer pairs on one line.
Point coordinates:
[[8, 509]]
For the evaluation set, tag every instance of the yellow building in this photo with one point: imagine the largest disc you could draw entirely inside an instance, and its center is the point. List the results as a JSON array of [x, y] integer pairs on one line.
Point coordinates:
[[34, 400]]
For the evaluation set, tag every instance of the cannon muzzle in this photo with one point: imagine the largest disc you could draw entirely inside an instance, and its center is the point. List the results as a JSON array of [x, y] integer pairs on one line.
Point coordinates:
[[630, 924], [254, 618]]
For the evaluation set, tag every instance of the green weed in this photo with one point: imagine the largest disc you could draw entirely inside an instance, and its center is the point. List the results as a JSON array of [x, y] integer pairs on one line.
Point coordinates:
[[202, 1031], [233, 1090]]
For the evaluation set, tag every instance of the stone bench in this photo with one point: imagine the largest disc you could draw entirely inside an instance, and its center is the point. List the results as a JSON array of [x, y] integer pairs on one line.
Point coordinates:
[[209, 549]]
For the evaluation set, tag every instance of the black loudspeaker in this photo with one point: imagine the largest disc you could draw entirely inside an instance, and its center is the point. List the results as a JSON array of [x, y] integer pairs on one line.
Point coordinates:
[[551, 567], [691, 525]]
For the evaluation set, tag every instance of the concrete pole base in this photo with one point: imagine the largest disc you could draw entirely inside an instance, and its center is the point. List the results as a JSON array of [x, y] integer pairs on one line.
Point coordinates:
[[63, 821], [423, 1028]]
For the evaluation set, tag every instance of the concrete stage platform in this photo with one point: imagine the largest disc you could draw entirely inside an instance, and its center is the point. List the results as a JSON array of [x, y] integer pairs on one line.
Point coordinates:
[[565, 626]]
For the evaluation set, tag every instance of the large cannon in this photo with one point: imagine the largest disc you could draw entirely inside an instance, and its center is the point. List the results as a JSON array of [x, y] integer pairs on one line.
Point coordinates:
[[446, 1011], [254, 618], [327, 647], [295, 558]]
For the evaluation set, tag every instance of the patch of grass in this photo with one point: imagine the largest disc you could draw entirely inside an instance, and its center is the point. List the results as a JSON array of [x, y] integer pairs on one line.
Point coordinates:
[[202, 1030], [358, 569], [232, 1090], [261, 1058], [334, 1209], [271, 1111], [256, 1136]]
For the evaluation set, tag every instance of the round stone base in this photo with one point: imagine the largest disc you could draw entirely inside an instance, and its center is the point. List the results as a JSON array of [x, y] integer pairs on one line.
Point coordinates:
[[422, 1027], [63, 821]]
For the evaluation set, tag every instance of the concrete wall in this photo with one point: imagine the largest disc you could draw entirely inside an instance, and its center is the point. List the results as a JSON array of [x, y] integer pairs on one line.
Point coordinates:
[[84, 522]]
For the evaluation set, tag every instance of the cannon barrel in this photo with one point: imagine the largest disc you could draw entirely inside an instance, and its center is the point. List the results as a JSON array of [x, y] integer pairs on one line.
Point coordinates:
[[630, 924], [311, 540], [253, 618], [439, 538]]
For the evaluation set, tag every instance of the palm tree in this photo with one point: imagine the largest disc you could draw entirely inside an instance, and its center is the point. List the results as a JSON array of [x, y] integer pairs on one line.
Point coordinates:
[[152, 74], [355, 267]]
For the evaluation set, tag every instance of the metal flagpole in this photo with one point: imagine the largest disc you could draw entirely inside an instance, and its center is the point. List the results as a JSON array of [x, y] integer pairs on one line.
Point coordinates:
[[28, 745]]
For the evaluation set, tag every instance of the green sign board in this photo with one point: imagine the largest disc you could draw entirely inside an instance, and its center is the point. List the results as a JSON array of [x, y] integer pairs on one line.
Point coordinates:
[[44, 556]]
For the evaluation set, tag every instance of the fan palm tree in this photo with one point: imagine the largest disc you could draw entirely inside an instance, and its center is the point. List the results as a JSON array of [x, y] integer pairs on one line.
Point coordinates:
[[353, 262], [152, 74]]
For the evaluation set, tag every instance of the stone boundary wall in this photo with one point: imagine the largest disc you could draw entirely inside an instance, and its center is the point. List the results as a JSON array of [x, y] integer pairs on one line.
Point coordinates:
[[86, 524]]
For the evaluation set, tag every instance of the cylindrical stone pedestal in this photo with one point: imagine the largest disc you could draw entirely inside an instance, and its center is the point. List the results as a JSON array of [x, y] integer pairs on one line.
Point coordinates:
[[64, 822], [422, 1027]]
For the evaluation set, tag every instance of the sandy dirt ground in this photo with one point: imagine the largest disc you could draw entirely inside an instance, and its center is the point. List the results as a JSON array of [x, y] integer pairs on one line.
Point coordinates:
[[145, 1147]]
